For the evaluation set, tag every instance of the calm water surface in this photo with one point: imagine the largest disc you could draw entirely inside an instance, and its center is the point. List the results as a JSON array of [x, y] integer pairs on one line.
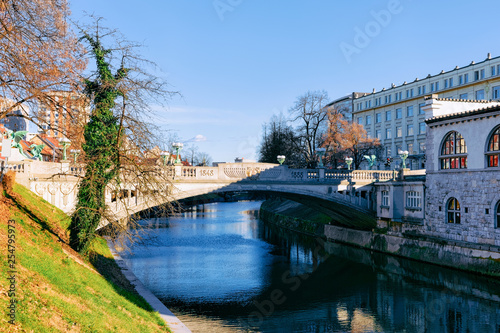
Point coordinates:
[[224, 270]]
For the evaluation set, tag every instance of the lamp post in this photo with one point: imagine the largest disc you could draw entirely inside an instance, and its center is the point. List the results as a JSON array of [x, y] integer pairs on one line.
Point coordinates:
[[281, 159], [65, 142], [348, 160], [404, 155], [177, 146], [75, 153], [164, 155], [320, 152]]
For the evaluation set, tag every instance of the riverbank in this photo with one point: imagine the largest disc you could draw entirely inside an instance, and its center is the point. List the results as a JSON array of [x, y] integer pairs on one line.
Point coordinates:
[[294, 216], [51, 287], [463, 256]]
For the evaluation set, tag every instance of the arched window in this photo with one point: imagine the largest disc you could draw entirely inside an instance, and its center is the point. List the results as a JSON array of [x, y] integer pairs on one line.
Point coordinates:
[[494, 148], [453, 211], [453, 152], [497, 216]]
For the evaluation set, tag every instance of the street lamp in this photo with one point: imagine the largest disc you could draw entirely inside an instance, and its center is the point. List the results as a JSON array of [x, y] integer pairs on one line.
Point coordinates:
[[164, 155], [281, 159], [348, 160], [177, 146], [75, 153], [404, 155], [320, 152], [65, 142]]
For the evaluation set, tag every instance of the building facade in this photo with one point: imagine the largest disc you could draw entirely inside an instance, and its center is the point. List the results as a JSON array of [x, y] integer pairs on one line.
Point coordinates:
[[65, 116], [396, 117], [463, 176]]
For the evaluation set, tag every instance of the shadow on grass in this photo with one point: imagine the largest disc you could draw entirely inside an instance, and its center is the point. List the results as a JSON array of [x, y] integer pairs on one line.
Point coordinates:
[[108, 268]]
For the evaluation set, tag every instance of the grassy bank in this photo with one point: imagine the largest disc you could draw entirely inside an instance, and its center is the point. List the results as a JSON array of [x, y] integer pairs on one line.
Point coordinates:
[[294, 216], [56, 289]]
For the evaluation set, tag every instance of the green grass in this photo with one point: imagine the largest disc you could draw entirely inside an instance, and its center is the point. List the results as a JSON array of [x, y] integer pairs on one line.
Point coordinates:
[[57, 289]]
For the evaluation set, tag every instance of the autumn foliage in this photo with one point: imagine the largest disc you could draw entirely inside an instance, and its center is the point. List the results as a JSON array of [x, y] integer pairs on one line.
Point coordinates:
[[347, 139]]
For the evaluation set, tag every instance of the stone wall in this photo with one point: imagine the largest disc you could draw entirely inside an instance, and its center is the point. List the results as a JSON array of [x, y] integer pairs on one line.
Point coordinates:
[[478, 193]]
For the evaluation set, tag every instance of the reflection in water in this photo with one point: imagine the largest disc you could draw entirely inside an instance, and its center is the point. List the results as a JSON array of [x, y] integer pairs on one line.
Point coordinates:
[[224, 270]]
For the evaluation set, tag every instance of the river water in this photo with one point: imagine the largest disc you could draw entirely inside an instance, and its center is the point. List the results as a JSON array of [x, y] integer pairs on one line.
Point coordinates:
[[224, 270]]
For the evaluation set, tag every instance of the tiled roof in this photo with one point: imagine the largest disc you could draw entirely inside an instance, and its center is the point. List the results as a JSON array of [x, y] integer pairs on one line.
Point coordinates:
[[463, 114]]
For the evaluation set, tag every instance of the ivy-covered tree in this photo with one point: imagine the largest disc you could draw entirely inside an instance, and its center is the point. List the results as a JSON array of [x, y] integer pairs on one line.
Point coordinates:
[[121, 93], [102, 136]]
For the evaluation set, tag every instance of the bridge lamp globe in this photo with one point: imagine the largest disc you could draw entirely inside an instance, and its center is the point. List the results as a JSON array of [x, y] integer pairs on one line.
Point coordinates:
[[320, 152], [75, 153], [348, 160], [65, 142], [404, 155], [177, 146], [164, 155], [281, 159]]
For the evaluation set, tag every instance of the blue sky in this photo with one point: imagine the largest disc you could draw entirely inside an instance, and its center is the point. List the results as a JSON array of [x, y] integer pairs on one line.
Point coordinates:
[[238, 62]]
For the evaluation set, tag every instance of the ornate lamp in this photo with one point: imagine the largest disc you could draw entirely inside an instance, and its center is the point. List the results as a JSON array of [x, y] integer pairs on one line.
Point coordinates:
[[164, 155], [75, 153], [320, 152], [348, 160], [65, 142], [177, 146], [281, 159], [404, 155]]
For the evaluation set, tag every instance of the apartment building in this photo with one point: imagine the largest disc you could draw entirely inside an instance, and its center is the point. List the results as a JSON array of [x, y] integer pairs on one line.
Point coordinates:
[[64, 115], [396, 116]]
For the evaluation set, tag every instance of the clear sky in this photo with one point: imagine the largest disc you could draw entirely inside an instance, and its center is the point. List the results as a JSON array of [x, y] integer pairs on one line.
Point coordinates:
[[238, 62]]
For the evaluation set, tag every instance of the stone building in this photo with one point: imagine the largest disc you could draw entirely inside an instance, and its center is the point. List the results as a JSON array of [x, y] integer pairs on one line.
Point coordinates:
[[395, 116], [462, 200]]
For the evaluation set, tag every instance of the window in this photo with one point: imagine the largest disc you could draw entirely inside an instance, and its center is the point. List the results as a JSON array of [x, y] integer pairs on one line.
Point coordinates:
[[413, 199], [409, 129], [388, 115], [388, 133], [480, 95], [421, 128], [399, 132], [494, 148], [453, 211], [496, 92], [368, 120], [378, 118], [454, 152], [388, 152], [460, 79], [476, 75], [407, 94], [451, 82], [409, 111], [411, 92], [445, 83], [437, 86], [464, 96], [409, 147], [493, 72], [421, 108], [423, 89], [376, 102], [399, 113], [432, 86], [481, 74], [497, 216], [378, 134], [466, 78], [385, 198], [360, 120], [420, 90]]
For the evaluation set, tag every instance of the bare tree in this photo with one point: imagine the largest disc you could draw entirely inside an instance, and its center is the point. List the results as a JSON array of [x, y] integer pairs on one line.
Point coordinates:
[[310, 113], [38, 55]]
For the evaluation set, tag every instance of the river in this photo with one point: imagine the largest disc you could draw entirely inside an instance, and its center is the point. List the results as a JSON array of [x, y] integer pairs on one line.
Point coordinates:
[[224, 270]]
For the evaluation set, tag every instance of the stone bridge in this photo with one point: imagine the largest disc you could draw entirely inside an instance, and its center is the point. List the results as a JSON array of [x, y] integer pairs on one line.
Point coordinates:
[[343, 195]]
